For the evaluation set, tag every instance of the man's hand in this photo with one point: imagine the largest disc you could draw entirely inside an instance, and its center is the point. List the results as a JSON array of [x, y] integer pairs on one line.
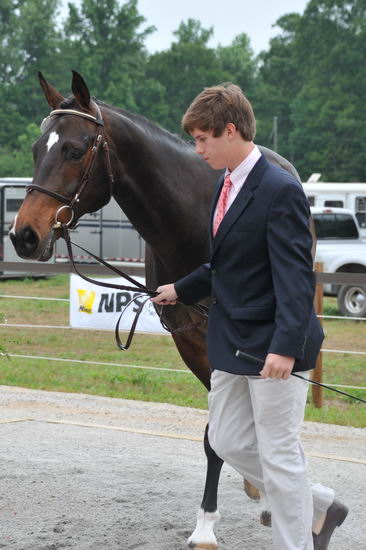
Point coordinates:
[[167, 295], [277, 366]]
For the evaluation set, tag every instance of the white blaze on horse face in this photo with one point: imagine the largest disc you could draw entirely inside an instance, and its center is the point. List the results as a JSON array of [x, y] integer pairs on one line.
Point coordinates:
[[12, 229], [53, 138]]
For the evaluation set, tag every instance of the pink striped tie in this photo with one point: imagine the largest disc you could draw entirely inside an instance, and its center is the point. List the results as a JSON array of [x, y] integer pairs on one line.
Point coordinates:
[[221, 204]]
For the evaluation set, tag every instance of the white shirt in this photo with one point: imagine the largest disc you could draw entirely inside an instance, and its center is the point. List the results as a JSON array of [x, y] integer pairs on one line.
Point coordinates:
[[239, 175]]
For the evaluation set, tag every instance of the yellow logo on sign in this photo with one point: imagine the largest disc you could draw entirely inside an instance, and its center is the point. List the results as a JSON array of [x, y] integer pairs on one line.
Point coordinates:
[[86, 300]]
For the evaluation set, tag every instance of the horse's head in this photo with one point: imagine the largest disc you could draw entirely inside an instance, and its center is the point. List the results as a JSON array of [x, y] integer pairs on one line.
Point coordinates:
[[69, 171]]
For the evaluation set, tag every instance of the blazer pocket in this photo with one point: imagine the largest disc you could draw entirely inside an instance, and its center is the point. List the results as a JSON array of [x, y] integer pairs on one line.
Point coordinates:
[[259, 313]]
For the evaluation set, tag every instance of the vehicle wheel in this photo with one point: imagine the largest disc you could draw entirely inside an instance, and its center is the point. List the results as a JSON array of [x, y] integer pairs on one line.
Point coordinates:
[[352, 300]]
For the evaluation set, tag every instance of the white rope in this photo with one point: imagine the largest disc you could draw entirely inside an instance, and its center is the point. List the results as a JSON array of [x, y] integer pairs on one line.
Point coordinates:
[[133, 366], [160, 334], [34, 326], [63, 327], [94, 363], [36, 298], [68, 300]]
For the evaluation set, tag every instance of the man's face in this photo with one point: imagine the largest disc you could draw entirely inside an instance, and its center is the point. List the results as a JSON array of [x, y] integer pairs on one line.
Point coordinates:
[[214, 150]]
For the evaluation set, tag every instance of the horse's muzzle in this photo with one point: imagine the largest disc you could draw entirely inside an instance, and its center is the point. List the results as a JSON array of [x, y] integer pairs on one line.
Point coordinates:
[[29, 246]]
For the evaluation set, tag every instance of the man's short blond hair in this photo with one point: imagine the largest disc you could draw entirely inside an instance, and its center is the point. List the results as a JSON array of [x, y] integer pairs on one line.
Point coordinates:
[[215, 107]]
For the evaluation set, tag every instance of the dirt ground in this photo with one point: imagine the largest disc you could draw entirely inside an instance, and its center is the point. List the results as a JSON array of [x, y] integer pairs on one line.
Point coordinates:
[[93, 473]]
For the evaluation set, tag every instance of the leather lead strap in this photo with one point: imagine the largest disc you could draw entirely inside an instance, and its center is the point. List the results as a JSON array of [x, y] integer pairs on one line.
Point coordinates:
[[139, 288]]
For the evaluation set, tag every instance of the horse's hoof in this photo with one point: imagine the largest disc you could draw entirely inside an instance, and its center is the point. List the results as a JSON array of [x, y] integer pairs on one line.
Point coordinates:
[[202, 546], [251, 491], [266, 518], [203, 537]]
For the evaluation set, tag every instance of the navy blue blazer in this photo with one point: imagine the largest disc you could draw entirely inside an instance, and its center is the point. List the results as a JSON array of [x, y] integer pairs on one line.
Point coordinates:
[[260, 277]]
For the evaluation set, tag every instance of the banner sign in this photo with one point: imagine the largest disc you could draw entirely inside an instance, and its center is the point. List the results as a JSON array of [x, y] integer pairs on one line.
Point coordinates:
[[99, 308]]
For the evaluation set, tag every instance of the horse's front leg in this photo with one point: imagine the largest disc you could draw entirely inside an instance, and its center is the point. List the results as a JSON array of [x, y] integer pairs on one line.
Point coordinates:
[[203, 537]]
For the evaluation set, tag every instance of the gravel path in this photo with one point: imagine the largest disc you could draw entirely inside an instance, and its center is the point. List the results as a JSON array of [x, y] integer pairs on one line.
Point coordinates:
[[96, 473]]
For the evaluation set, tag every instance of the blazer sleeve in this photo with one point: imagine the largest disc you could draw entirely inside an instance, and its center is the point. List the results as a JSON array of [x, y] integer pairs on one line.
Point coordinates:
[[195, 286], [289, 244]]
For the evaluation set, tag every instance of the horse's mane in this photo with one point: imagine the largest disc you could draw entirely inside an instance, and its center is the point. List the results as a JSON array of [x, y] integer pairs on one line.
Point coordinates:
[[154, 129]]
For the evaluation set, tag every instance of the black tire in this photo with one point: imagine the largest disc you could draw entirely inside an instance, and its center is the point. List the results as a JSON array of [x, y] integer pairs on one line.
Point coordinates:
[[352, 300]]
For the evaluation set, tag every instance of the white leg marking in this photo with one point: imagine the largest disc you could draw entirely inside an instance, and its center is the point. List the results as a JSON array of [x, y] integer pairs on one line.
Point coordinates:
[[203, 536], [53, 138], [12, 230]]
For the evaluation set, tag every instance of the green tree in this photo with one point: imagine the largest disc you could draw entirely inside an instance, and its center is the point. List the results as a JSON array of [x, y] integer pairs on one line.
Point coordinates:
[[238, 62], [278, 82], [313, 78], [100, 39], [184, 70], [18, 161], [329, 113], [29, 41], [106, 46]]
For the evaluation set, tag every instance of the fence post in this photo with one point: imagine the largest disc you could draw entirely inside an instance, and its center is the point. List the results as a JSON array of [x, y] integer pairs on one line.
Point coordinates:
[[317, 373]]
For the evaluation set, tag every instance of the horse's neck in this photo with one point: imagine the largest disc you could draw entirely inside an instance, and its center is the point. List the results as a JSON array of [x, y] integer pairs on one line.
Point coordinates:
[[162, 187]]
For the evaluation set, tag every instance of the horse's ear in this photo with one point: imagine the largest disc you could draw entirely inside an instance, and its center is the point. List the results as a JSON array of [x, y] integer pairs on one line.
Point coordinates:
[[80, 89], [54, 98]]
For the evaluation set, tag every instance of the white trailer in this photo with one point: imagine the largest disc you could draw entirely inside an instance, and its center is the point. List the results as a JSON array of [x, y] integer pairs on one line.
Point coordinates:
[[339, 195], [106, 233]]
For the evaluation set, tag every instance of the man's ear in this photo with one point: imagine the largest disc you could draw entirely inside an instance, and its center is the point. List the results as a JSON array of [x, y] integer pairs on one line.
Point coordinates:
[[230, 130]]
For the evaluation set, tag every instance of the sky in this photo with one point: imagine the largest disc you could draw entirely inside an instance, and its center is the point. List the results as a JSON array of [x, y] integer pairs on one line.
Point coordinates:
[[228, 18]]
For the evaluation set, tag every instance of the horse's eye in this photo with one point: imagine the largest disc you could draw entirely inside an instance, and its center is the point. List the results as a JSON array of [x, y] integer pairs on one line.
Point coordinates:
[[74, 154], [77, 154]]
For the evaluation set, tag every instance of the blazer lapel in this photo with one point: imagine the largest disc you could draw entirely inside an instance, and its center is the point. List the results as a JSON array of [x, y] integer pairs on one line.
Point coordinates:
[[240, 203]]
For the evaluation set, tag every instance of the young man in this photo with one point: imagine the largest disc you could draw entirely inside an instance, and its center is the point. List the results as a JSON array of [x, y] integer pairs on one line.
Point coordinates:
[[261, 284]]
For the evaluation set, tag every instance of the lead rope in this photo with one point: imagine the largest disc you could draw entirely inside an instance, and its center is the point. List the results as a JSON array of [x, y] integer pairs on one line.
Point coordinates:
[[142, 289]]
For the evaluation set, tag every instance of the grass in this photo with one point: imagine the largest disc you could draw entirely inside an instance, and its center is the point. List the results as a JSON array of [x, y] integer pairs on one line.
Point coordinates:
[[180, 388]]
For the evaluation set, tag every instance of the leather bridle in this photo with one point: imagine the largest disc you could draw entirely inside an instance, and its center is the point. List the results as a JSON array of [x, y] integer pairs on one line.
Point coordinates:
[[99, 141]]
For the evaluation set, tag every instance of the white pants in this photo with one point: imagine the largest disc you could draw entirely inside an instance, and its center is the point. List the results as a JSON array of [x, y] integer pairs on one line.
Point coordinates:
[[254, 426]]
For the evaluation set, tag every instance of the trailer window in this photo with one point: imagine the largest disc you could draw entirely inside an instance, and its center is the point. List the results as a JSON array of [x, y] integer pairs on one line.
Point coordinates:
[[13, 205], [334, 204], [335, 226], [360, 210]]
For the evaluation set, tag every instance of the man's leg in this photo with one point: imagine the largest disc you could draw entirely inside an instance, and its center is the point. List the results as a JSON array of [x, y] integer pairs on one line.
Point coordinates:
[[231, 425], [278, 407], [233, 436]]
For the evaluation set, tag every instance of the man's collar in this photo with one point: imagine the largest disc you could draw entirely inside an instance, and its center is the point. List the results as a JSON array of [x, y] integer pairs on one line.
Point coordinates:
[[240, 173]]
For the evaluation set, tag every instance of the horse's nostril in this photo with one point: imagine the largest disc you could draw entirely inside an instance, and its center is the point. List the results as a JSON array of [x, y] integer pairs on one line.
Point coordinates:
[[29, 238]]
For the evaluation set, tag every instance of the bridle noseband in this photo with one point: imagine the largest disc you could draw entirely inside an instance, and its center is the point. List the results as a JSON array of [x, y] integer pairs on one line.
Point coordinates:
[[99, 140]]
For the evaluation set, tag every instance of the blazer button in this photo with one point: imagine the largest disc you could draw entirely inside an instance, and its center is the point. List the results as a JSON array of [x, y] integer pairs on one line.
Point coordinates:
[[213, 271], [214, 301]]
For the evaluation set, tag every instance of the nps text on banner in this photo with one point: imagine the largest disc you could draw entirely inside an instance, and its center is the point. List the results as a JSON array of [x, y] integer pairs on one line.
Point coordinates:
[[99, 308]]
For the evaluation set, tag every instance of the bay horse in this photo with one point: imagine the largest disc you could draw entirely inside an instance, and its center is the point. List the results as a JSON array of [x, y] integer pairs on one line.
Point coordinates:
[[90, 151]]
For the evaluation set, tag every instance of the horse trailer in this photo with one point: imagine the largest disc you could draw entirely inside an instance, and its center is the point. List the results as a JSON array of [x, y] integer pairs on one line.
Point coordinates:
[[106, 233], [340, 195]]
